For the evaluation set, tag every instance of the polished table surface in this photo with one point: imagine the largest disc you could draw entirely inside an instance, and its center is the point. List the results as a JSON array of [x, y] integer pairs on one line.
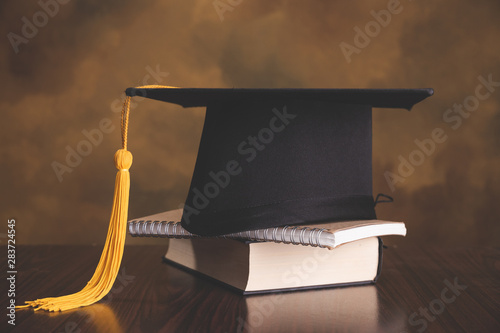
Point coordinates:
[[419, 290]]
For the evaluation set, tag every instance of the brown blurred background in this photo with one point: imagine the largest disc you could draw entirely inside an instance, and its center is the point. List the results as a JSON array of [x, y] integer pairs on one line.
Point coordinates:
[[64, 69]]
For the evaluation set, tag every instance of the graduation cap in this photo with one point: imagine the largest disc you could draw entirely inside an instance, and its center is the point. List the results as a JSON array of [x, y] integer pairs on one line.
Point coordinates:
[[274, 157], [267, 157]]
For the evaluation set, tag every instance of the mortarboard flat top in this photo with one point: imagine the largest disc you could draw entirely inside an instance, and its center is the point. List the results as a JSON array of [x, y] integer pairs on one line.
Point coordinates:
[[274, 157], [193, 97]]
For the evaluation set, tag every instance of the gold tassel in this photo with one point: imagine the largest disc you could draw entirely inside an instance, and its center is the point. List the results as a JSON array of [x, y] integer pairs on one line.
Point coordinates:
[[107, 269]]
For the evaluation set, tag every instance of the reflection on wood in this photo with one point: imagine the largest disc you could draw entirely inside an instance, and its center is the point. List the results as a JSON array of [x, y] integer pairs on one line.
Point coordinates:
[[345, 309]]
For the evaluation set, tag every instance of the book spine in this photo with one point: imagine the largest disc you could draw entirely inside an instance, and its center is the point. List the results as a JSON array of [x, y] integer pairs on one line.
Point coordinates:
[[297, 235]]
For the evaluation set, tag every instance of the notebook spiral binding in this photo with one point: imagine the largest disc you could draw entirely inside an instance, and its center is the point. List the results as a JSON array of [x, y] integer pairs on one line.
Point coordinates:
[[286, 235]]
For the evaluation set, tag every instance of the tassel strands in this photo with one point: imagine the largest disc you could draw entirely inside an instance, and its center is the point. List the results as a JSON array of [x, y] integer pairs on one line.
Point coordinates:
[[107, 269]]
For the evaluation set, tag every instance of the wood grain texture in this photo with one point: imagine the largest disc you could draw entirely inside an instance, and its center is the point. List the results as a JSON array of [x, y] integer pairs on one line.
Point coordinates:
[[151, 296]]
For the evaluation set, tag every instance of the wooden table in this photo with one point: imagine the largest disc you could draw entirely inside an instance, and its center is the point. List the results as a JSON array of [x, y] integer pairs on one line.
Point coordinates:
[[420, 289]]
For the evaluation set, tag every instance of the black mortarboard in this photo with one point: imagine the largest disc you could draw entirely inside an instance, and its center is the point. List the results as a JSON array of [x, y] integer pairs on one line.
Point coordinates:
[[273, 157]]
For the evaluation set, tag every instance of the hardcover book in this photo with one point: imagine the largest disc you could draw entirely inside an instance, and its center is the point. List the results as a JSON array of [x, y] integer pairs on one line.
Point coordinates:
[[262, 267]]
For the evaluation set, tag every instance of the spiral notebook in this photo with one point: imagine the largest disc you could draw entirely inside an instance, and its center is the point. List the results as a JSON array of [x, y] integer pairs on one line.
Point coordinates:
[[328, 235]]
